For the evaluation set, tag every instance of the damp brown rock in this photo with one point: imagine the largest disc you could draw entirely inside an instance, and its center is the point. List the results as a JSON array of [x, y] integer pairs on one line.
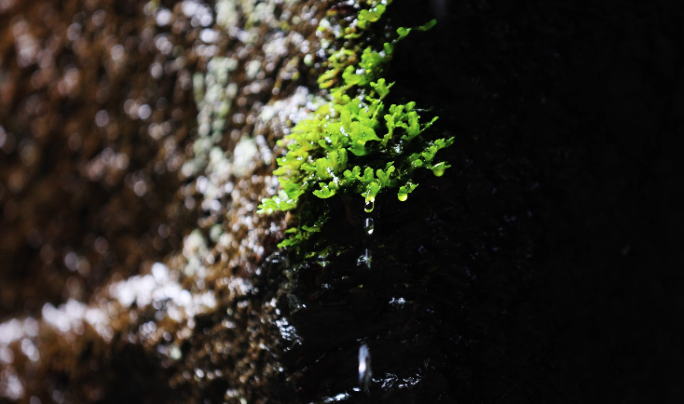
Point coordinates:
[[136, 140]]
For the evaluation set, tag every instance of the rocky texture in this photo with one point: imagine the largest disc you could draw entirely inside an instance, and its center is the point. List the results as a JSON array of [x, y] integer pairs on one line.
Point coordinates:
[[136, 134]]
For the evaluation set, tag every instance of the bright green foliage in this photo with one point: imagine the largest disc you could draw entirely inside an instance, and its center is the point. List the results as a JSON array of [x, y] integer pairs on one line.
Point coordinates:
[[403, 32], [366, 17], [355, 143]]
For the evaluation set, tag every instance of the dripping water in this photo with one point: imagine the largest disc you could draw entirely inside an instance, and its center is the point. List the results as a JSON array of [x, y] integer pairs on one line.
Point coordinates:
[[365, 259], [364, 368], [368, 226]]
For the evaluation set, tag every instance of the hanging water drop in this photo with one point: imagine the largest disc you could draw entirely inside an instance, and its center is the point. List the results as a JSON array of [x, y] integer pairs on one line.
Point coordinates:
[[369, 226], [438, 169], [369, 206]]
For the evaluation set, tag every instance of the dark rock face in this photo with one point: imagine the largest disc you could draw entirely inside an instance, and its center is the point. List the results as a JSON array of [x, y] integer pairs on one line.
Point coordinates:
[[542, 267]]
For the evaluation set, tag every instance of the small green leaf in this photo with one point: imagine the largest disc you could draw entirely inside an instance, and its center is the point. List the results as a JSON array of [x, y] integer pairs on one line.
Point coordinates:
[[367, 176], [427, 26], [325, 192], [403, 32], [323, 168], [384, 177], [381, 88], [405, 190], [351, 78], [311, 229]]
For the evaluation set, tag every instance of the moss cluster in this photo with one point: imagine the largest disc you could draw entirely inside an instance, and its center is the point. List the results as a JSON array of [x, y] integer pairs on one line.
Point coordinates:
[[355, 143]]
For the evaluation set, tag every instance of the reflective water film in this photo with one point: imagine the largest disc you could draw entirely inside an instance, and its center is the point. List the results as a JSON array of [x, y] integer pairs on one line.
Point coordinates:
[[365, 372]]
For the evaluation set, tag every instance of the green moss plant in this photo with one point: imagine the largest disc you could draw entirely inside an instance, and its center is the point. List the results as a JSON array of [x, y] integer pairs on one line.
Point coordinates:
[[354, 144]]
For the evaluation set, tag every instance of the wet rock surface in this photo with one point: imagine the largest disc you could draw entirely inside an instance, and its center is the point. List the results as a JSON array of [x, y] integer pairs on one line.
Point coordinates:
[[138, 138], [521, 274]]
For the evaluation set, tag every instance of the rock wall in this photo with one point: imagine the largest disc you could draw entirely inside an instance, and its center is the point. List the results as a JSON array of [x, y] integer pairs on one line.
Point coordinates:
[[137, 139]]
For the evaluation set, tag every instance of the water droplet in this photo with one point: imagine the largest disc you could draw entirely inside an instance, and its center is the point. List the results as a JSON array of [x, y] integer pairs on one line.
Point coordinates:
[[369, 206], [364, 367], [402, 196], [438, 169], [369, 226]]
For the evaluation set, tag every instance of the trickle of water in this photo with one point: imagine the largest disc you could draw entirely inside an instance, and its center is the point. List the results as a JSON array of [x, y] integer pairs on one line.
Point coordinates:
[[365, 259], [369, 206], [364, 367], [369, 226], [337, 398]]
